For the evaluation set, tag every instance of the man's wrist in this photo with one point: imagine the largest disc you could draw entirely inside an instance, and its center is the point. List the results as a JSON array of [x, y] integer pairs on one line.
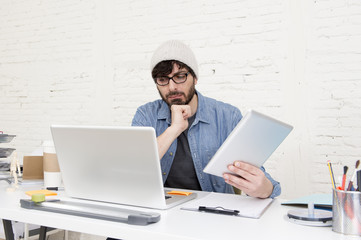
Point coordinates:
[[269, 189], [174, 131]]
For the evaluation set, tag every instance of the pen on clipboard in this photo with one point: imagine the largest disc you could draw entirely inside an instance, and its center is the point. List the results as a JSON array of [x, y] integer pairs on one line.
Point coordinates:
[[55, 188], [219, 210]]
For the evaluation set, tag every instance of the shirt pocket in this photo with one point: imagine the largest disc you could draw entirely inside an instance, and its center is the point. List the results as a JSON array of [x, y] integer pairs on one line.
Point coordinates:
[[218, 184], [210, 151]]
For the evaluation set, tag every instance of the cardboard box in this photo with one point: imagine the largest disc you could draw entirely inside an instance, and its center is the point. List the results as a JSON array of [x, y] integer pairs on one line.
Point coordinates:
[[33, 167]]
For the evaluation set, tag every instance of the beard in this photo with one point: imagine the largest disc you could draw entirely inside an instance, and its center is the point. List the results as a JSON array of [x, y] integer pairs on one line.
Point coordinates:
[[188, 97]]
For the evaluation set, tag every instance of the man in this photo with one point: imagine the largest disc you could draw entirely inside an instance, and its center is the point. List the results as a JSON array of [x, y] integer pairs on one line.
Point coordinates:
[[190, 128]]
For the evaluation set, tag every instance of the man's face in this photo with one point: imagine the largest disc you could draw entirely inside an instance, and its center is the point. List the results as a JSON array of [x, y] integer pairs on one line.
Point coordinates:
[[180, 94]]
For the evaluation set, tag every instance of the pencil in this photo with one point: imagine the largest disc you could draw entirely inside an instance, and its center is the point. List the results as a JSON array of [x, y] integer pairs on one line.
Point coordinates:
[[331, 174]]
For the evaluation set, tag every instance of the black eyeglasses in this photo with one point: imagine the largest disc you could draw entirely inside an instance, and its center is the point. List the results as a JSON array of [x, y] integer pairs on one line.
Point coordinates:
[[177, 78]]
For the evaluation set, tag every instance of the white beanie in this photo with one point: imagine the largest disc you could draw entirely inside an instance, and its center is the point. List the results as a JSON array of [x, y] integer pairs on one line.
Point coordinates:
[[175, 50]]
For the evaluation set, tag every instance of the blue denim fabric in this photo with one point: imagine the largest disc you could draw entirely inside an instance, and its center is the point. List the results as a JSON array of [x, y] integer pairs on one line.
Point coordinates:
[[214, 121]]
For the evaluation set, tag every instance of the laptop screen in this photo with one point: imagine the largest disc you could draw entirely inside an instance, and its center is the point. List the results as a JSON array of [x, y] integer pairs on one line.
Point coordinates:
[[110, 164]]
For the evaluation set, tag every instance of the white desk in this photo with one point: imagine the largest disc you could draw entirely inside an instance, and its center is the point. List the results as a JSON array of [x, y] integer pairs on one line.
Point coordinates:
[[174, 223]]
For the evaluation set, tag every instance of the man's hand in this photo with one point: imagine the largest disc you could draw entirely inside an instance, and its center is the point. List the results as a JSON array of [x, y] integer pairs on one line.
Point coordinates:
[[249, 179], [180, 115]]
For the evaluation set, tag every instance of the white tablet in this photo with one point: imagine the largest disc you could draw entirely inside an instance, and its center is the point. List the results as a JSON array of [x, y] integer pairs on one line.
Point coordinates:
[[253, 140]]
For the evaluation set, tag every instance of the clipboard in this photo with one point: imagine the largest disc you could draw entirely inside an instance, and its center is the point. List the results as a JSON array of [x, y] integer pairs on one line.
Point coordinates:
[[229, 204]]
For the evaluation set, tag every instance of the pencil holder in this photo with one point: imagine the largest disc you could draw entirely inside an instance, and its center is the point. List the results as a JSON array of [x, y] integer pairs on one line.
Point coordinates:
[[346, 209]]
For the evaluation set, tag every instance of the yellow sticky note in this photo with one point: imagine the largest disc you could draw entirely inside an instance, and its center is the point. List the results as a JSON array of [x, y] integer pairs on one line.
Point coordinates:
[[179, 193], [44, 191]]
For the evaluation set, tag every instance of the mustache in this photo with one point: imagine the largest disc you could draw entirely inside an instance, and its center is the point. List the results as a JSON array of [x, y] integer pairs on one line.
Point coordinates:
[[170, 94]]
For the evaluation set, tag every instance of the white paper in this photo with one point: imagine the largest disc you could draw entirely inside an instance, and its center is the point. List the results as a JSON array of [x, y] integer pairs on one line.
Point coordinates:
[[247, 206]]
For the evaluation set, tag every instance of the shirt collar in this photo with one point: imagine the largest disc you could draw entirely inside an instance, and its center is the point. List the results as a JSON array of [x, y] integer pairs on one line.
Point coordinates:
[[203, 110], [202, 113]]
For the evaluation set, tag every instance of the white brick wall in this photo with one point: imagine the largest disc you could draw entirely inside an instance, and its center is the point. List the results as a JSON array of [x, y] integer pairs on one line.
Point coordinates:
[[87, 62]]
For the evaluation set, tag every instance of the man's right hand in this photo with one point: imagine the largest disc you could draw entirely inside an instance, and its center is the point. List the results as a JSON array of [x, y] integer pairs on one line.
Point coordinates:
[[180, 115]]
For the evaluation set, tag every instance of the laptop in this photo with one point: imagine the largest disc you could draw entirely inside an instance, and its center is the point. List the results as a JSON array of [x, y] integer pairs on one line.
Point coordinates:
[[253, 140], [112, 164]]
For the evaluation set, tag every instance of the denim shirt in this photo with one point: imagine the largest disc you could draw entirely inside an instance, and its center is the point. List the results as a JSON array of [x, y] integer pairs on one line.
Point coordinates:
[[214, 121]]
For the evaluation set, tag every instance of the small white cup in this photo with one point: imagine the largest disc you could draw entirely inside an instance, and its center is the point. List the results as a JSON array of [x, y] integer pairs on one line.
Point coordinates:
[[52, 175], [52, 179]]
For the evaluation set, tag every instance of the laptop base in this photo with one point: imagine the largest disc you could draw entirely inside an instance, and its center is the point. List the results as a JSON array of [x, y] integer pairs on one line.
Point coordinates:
[[94, 211]]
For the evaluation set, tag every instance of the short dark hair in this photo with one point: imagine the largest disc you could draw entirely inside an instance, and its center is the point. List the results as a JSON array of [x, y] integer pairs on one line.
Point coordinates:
[[164, 68]]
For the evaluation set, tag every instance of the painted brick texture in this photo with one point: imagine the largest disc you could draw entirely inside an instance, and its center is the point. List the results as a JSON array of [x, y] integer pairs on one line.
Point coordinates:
[[87, 62]]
